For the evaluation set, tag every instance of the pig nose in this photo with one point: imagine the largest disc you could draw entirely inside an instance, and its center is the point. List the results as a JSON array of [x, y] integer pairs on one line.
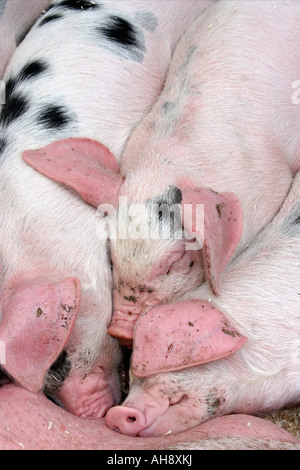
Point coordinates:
[[126, 420], [121, 327]]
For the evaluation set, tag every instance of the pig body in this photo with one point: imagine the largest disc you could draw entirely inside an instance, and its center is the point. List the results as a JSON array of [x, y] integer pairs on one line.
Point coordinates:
[[226, 121], [92, 69], [16, 17], [31, 422], [260, 298]]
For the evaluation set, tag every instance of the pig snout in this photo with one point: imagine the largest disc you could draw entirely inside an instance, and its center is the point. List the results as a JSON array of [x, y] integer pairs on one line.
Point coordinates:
[[128, 304], [137, 420], [126, 420], [157, 411], [122, 326]]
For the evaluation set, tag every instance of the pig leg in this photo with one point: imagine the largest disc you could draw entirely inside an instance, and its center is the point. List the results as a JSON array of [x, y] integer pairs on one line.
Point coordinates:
[[92, 395]]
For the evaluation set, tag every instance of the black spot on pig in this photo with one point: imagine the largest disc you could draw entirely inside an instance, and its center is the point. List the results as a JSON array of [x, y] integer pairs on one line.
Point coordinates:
[[168, 106], [147, 20], [57, 374], [291, 223], [171, 196], [213, 402], [16, 105], [50, 18], [3, 145], [32, 70], [2, 7], [121, 32], [10, 87], [77, 4], [54, 116], [29, 71], [127, 39], [165, 210], [23, 34], [297, 221]]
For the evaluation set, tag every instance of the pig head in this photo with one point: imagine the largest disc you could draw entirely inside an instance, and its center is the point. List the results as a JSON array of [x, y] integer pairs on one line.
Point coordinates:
[[213, 223], [168, 339], [196, 231], [190, 360]]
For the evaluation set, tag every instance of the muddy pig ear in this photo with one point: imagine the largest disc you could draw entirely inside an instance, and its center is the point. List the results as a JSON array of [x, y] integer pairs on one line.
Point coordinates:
[[84, 165], [178, 336], [37, 319], [218, 230]]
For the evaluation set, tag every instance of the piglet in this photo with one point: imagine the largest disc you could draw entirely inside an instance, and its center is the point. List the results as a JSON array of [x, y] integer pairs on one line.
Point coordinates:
[[16, 18], [224, 134], [91, 69], [198, 358]]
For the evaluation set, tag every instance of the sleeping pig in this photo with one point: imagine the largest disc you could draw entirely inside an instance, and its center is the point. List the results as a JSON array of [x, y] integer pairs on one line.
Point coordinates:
[[223, 135], [238, 353]]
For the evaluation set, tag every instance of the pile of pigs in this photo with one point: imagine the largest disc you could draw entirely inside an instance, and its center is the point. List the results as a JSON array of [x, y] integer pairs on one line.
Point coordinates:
[[150, 205]]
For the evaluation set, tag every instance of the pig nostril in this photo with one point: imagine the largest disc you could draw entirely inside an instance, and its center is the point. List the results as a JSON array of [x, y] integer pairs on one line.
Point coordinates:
[[131, 419]]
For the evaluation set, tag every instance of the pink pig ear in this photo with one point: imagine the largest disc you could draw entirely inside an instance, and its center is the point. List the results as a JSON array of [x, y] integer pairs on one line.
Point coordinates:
[[84, 165], [36, 323], [182, 335], [221, 231]]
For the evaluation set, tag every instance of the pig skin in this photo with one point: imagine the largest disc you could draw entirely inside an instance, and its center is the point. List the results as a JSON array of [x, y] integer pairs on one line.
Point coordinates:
[[15, 18], [31, 422]]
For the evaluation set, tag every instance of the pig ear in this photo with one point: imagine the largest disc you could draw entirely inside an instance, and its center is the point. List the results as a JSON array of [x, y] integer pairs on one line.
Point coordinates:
[[221, 231], [36, 323], [84, 165], [182, 335]]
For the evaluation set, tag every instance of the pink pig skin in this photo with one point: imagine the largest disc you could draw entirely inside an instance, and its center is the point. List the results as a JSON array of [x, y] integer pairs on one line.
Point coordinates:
[[37, 321], [83, 164], [225, 120], [260, 297], [180, 336], [31, 422], [16, 18]]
